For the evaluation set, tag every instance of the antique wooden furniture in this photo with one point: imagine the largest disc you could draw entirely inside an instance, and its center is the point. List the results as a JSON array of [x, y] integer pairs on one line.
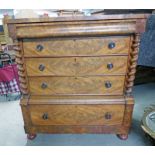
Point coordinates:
[[76, 73]]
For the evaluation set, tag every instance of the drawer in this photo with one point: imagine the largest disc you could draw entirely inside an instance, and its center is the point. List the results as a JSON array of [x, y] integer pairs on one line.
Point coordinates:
[[100, 85], [76, 47], [76, 66], [76, 114]]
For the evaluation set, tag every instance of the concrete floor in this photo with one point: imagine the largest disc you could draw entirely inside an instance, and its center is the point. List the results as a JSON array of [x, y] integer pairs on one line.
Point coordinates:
[[12, 132]]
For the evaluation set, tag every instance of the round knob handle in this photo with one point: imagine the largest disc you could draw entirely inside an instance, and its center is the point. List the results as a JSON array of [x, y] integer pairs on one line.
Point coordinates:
[[111, 45], [108, 115], [108, 84], [41, 67], [45, 116], [39, 48], [110, 66], [44, 85]]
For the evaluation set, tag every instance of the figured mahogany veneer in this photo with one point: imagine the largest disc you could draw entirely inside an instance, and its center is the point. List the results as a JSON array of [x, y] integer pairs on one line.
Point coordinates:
[[75, 66], [90, 46], [76, 73], [93, 85], [76, 114]]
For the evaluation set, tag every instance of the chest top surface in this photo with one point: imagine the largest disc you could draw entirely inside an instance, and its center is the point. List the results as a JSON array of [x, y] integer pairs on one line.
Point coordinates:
[[77, 26]]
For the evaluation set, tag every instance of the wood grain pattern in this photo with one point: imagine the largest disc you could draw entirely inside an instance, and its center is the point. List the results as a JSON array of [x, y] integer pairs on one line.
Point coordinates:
[[77, 85], [75, 66], [76, 114], [74, 29], [68, 29], [76, 47]]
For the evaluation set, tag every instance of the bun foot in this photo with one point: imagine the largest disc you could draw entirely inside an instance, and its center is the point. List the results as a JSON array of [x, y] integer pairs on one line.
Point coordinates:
[[122, 136], [31, 136]]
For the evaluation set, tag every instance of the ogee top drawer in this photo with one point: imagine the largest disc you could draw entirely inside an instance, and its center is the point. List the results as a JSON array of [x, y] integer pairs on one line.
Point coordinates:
[[76, 47], [74, 66]]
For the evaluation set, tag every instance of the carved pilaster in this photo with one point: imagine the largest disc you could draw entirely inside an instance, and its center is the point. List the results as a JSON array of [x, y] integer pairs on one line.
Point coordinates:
[[21, 69], [132, 64]]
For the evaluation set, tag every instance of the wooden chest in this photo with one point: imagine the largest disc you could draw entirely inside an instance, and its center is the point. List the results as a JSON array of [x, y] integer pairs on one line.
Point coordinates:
[[76, 73]]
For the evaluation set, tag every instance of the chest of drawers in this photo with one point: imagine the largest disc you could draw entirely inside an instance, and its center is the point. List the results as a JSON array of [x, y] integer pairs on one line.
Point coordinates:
[[76, 73]]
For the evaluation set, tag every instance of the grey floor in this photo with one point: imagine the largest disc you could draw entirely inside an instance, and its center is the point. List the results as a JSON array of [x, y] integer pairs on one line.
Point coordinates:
[[12, 132]]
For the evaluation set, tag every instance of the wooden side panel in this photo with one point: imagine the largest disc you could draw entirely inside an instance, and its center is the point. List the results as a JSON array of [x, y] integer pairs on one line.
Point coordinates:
[[76, 47], [128, 112], [77, 114], [75, 66], [77, 85]]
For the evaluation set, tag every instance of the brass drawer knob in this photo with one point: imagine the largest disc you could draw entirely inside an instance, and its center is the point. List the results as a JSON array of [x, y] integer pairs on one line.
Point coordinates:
[[41, 67], [108, 115], [39, 48], [108, 84], [44, 85], [111, 45], [110, 66], [45, 116]]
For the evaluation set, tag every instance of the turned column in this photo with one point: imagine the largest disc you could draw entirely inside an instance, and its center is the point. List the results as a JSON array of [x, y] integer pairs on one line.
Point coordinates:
[[132, 64], [21, 68]]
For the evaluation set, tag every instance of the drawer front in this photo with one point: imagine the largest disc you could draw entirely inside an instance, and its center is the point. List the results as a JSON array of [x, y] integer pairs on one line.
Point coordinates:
[[76, 114], [100, 85], [76, 66], [76, 47]]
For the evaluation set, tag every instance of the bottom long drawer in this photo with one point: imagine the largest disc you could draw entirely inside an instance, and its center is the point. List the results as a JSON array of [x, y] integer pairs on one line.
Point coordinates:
[[76, 114], [99, 85]]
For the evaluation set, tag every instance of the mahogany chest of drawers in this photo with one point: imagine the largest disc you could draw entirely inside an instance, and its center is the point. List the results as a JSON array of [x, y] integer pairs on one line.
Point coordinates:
[[76, 73]]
